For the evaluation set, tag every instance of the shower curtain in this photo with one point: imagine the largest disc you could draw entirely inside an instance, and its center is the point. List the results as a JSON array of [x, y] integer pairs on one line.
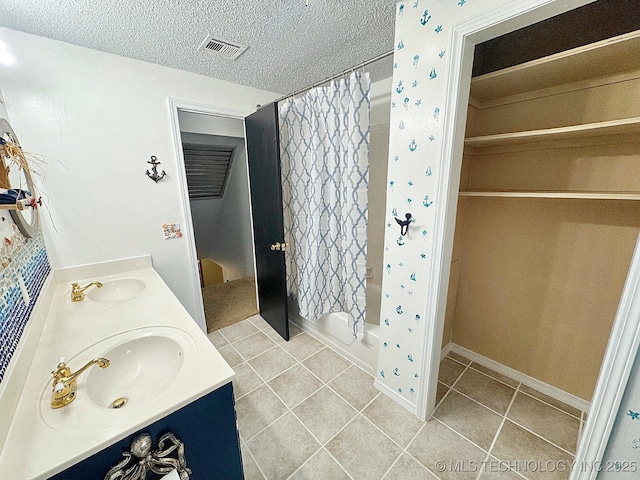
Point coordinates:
[[324, 138]]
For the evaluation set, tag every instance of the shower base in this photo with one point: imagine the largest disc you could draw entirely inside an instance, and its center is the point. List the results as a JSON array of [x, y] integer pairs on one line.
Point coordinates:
[[332, 329]]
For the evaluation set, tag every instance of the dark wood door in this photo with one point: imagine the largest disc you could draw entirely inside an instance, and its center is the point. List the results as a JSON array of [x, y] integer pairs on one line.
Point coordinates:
[[263, 154]]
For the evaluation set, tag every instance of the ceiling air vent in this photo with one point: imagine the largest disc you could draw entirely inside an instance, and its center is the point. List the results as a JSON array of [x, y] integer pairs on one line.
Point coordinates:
[[222, 48]]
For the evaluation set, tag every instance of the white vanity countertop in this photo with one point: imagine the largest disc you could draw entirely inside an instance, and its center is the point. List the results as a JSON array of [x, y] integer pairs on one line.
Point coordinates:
[[43, 441]]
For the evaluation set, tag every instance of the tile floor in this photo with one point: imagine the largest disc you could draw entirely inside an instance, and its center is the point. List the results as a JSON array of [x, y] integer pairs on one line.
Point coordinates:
[[305, 412]]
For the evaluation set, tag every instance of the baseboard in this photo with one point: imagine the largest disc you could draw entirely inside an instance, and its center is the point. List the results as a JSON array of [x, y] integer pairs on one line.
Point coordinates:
[[534, 383], [400, 400], [445, 351]]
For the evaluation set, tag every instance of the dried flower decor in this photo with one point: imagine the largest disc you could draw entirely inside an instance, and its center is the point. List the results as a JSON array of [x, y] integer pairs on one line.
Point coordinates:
[[13, 156], [17, 170]]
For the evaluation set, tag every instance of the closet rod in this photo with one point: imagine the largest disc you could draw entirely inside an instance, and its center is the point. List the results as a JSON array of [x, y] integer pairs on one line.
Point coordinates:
[[333, 77]]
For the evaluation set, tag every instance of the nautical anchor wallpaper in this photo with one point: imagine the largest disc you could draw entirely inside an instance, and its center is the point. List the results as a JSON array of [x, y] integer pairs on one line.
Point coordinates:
[[419, 87]]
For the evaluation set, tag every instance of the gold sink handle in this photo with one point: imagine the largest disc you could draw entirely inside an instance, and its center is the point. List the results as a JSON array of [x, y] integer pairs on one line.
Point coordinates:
[[64, 382], [77, 292]]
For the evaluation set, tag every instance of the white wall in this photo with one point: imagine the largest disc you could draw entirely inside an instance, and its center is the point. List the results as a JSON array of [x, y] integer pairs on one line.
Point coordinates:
[[97, 118], [381, 102], [222, 226], [3, 109], [210, 124], [377, 197]]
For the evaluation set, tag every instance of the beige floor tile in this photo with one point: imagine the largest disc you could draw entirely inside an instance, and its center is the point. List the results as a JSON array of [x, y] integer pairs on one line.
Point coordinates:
[[531, 456], [245, 380], [294, 330], [302, 346], [253, 345], [272, 363], [251, 471], [324, 414], [239, 330], [498, 376], [406, 468], [501, 475], [494, 469], [475, 422], [459, 358], [363, 451], [450, 370], [444, 452], [486, 390], [355, 386], [548, 422], [551, 401], [273, 335], [320, 467], [393, 420], [256, 410], [441, 392], [231, 356], [326, 364], [294, 385], [282, 448], [259, 322], [217, 339]]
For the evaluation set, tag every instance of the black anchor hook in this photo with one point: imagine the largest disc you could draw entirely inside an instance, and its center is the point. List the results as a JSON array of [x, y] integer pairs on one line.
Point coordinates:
[[155, 176], [404, 224]]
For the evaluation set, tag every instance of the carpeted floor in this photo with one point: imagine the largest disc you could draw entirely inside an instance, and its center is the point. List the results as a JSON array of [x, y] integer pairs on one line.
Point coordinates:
[[230, 302]]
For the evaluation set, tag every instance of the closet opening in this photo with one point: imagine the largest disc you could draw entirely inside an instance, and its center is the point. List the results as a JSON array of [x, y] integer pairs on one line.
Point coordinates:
[[548, 217]]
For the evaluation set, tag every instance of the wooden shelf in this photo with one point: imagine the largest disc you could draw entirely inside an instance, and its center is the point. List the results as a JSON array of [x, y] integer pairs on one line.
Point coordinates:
[[608, 57], [613, 127], [553, 194]]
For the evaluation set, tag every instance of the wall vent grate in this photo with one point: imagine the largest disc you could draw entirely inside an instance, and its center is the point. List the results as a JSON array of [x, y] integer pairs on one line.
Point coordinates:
[[222, 48], [207, 168]]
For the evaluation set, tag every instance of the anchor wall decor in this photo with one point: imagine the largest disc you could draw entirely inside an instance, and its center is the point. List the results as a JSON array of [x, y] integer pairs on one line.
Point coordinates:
[[155, 176]]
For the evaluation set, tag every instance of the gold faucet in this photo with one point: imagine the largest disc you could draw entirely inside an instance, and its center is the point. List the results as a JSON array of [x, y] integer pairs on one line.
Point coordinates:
[[64, 382], [77, 292]]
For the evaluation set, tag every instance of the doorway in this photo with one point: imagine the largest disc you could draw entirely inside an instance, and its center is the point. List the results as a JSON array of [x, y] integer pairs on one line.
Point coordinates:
[[214, 177], [615, 367]]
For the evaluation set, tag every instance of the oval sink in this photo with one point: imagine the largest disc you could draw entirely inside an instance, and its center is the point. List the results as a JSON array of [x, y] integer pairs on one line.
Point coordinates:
[[145, 370], [116, 290], [140, 370]]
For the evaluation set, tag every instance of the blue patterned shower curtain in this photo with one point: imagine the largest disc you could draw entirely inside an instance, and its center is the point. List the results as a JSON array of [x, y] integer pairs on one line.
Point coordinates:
[[325, 177]]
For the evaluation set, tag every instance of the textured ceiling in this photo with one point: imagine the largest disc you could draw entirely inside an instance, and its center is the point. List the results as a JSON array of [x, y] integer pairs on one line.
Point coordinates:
[[290, 45]]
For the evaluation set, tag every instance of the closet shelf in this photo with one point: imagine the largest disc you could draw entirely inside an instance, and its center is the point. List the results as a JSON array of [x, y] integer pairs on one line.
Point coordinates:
[[612, 127], [552, 194], [613, 55]]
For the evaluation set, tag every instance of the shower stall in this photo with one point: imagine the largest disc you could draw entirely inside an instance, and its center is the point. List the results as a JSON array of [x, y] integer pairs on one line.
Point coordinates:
[[332, 328]]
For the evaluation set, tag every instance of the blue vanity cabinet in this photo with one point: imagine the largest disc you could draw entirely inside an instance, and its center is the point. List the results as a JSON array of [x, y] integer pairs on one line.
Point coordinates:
[[206, 427]]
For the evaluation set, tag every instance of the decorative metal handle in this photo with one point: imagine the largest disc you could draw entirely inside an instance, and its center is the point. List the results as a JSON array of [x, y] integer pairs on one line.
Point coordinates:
[[275, 246], [284, 246]]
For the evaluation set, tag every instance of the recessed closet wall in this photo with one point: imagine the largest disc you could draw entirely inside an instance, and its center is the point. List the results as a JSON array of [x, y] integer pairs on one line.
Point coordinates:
[[549, 212]]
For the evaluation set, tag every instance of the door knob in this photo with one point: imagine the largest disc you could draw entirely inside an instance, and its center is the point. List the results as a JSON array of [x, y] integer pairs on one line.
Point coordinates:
[[280, 246]]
